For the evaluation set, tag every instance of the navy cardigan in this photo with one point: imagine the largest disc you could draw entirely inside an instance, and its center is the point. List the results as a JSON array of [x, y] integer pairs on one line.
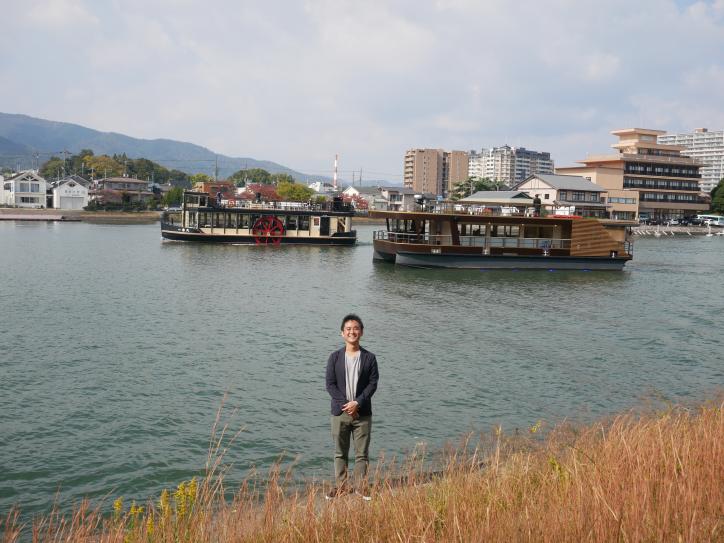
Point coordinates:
[[366, 383]]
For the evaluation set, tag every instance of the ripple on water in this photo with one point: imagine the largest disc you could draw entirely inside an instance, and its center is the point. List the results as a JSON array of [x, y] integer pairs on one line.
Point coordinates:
[[118, 357]]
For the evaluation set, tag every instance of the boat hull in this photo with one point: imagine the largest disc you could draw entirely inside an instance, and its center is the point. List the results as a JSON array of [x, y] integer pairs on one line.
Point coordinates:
[[203, 237], [498, 262]]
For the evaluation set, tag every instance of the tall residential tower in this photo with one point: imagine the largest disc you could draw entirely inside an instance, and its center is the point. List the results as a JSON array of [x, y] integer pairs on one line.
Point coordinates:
[[707, 148], [509, 165], [434, 171]]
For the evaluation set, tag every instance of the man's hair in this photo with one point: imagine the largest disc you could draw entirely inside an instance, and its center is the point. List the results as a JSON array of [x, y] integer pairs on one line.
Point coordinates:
[[352, 317]]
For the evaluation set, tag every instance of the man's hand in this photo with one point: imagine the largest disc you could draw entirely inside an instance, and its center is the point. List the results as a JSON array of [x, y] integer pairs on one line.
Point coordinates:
[[351, 408]]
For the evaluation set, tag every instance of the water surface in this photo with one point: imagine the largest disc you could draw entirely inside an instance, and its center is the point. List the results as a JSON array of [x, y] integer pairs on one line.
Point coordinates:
[[117, 349]]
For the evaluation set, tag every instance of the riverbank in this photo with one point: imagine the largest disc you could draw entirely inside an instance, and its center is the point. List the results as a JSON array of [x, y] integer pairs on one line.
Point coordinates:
[[104, 217], [651, 477], [72, 215]]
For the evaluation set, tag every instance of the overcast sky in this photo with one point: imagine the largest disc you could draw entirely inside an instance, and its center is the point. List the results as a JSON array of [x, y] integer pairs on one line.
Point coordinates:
[[296, 82]]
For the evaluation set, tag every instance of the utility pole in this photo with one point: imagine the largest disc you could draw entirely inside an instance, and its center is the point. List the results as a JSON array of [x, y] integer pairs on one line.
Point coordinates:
[[360, 176]]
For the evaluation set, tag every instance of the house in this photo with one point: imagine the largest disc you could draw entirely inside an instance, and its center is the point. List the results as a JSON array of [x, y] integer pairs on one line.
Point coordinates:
[[70, 193], [398, 198], [119, 190], [213, 187], [566, 194], [368, 194], [24, 189], [321, 187]]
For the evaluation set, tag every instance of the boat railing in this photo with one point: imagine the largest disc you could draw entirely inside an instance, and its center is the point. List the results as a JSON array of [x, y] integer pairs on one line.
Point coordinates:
[[474, 241], [285, 206]]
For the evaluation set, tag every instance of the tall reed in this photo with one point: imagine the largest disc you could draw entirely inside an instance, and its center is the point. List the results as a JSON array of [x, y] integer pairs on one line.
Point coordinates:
[[653, 477]]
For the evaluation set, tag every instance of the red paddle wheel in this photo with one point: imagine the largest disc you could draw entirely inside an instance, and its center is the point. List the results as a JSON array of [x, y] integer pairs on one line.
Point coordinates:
[[268, 230]]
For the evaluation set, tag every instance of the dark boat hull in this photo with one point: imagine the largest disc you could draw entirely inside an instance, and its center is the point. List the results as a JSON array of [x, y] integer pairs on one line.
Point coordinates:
[[501, 262], [176, 234]]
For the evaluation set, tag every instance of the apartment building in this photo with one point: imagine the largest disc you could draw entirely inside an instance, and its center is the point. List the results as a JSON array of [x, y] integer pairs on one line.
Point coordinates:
[[707, 148], [509, 165], [434, 171], [654, 179]]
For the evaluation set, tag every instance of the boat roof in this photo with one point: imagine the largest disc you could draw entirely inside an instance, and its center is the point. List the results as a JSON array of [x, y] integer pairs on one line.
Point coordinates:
[[512, 197]]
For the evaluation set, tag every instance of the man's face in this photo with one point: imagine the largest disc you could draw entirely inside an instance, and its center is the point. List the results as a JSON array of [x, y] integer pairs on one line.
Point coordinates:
[[351, 332]]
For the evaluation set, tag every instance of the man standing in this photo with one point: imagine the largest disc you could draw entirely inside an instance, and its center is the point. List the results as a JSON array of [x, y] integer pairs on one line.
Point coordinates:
[[351, 379]]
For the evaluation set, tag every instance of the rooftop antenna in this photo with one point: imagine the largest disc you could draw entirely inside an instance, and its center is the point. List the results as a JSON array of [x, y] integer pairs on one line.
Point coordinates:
[[334, 181]]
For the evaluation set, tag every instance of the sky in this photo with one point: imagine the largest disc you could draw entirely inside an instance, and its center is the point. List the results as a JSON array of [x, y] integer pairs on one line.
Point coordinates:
[[297, 82]]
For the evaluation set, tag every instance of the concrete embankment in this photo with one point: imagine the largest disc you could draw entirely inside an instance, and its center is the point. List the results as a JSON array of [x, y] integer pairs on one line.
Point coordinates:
[[69, 215]]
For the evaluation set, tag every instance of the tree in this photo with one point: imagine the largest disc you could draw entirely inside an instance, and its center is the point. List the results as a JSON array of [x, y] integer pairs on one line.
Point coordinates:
[[357, 201], [200, 178], [278, 178], [717, 197], [103, 166], [294, 192], [173, 197], [54, 168], [463, 189]]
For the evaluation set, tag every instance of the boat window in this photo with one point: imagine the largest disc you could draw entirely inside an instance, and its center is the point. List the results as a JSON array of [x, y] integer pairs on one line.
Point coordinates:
[[218, 222], [244, 221], [304, 222], [204, 220], [291, 222], [316, 221]]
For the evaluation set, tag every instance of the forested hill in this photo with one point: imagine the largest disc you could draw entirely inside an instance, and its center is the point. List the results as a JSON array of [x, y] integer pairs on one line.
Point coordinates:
[[23, 137]]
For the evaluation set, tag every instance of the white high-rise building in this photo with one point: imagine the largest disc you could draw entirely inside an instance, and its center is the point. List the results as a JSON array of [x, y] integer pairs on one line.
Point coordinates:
[[509, 165], [707, 148]]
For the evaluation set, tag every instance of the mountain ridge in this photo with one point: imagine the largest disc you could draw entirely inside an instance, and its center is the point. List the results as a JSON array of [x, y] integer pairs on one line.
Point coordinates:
[[23, 136]]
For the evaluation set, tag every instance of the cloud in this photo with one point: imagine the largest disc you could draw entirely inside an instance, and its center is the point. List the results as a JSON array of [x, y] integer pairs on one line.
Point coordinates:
[[49, 14], [297, 82]]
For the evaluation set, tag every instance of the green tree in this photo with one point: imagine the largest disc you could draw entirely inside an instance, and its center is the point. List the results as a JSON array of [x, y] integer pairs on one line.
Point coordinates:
[[258, 175], [103, 166], [173, 197], [279, 178], [717, 197], [54, 168], [200, 178], [294, 192], [463, 189]]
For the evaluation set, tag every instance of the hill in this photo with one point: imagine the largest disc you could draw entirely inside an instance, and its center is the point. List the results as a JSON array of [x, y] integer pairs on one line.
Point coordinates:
[[21, 137]]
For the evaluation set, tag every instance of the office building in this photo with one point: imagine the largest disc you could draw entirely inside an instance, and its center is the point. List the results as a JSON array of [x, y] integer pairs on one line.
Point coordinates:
[[707, 148]]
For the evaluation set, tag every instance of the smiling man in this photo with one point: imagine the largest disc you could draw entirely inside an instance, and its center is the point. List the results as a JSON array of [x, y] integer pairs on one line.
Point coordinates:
[[351, 378]]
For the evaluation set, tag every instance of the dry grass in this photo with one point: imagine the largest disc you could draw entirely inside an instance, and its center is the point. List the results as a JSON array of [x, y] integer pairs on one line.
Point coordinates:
[[655, 477]]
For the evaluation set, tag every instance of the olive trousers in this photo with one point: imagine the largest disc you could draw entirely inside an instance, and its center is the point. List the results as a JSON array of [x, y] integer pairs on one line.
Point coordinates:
[[359, 429]]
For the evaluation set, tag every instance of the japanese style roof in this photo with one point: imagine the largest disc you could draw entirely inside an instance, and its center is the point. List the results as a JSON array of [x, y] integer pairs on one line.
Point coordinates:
[[565, 182], [400, 190], [515, 197]]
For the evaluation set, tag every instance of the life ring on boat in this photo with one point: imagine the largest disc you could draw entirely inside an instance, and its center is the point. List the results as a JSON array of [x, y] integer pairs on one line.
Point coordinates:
[[268, 230]]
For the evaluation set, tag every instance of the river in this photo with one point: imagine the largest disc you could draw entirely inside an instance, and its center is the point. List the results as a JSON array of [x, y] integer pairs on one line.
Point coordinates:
[[117, 349]]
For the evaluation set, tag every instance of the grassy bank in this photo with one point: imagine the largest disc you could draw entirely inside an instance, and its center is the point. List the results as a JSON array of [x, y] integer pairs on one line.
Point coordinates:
[[654, 477]]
